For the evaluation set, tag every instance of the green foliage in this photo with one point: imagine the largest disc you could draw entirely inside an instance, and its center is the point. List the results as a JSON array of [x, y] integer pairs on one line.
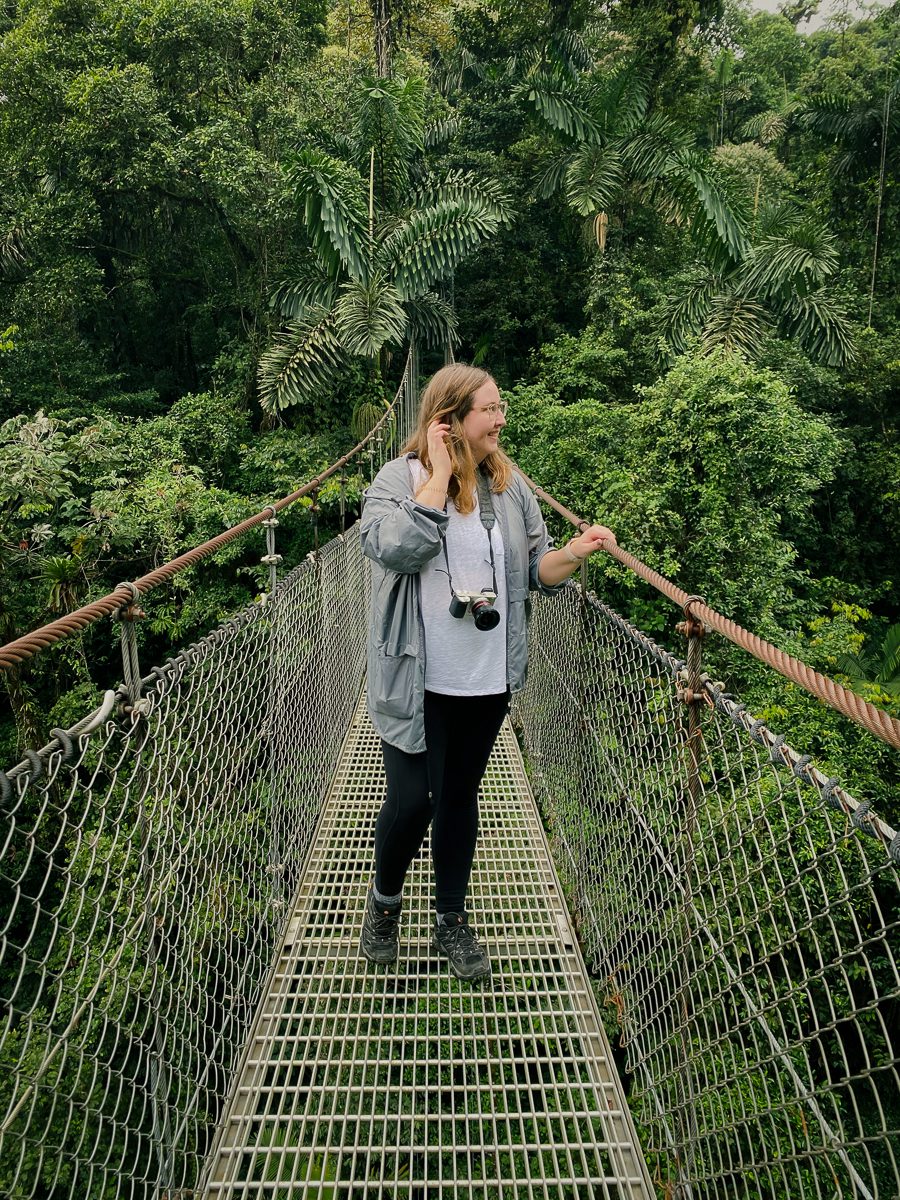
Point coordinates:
[[708, 479], [381, 245]]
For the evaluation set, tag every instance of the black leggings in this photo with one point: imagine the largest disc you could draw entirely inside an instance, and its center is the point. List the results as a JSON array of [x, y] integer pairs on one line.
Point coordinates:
[[438, 787]]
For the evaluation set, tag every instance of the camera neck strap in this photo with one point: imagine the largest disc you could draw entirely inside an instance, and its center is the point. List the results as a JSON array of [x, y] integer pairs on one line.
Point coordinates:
[[488, 520]]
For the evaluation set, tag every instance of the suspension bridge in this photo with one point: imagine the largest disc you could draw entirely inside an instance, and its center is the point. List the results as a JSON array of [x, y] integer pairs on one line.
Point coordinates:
[[693, 931]]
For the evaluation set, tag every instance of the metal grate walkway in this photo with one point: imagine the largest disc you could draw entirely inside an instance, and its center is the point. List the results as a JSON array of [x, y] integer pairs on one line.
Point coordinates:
[[403, 1082]]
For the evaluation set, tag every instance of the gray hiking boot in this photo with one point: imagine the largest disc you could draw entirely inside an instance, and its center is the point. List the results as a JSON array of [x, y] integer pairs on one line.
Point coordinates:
[[455, 938], [381, 931]]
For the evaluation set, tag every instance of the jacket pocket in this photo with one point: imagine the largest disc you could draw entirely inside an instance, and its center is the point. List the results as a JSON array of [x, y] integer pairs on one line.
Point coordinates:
[[519, 595], [394, 683]]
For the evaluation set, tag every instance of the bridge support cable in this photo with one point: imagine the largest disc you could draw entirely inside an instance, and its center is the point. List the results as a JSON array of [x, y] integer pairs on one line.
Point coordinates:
[[152, 852], [791, 897], [369, 1081]]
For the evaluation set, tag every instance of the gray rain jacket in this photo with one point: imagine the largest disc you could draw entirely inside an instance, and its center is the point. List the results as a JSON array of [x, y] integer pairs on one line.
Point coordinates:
[[400, 536]]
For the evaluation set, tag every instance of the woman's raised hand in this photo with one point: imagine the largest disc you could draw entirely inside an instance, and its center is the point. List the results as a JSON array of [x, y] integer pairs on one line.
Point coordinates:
[[438, 452]]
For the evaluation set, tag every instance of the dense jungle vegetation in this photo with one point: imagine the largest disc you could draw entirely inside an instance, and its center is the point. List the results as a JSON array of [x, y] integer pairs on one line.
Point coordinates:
[[670, 229]]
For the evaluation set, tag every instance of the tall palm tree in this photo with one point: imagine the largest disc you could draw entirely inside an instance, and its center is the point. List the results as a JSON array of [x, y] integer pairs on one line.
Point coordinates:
[[382, 234], [616, 152]]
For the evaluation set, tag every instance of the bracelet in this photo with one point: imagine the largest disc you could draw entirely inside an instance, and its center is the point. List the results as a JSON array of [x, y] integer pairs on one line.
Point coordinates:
[[571, 555]]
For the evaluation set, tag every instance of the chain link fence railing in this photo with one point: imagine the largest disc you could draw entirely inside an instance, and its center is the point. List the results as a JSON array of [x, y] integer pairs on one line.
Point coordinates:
[[739, 910], [148, 862]]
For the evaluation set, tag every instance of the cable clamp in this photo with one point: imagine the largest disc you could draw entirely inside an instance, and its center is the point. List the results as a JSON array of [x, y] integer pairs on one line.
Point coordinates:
[[828, 790], [130, 610]]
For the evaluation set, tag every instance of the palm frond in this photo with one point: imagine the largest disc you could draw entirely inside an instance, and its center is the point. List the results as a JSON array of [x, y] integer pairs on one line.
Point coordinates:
[[593, 179], [712, 205], [832, 116], [390, 109], [431, 320], [738, 92], [12, 252], [461, 187], [369, 315], [570, 50], [736, 323], [310, 288], [440, 131], [651, 152], [305, 359], [765, 127], [559, 104], [554, 173], [449, 74], [389, 117], [335, 211], [820, 324], [798, 260], [620, 101], [432, 241], [684, 314], [890, 655]]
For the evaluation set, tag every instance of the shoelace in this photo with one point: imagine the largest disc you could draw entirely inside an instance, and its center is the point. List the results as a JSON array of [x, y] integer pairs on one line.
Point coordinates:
[[463, 941], [383, 925]]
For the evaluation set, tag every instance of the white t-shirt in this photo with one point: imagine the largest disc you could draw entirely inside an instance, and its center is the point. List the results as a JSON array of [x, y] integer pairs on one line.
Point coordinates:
[[460, 659]]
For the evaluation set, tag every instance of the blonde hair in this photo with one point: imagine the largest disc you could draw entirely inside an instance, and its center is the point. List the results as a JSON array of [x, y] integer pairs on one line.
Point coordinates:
[[448, 398]]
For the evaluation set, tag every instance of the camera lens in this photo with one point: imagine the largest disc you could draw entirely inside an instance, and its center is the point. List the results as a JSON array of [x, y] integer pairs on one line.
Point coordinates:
[[484, 615]]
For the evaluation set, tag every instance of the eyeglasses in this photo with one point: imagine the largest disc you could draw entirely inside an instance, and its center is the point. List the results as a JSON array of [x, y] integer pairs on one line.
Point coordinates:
[[491, 410]]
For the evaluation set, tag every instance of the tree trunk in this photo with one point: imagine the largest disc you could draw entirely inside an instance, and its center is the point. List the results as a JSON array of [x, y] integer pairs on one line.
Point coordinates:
[[29, 733], [384, 36]]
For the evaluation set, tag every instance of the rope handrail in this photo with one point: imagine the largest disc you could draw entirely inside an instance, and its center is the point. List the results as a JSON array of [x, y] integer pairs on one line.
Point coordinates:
[[848, 703], [29, 644], [863, 712]]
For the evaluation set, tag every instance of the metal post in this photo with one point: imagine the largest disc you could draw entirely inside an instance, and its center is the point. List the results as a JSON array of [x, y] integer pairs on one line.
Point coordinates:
[[270, 558], [314, 514], [690, 693], [276, 851], [135, 710], [343, 500]]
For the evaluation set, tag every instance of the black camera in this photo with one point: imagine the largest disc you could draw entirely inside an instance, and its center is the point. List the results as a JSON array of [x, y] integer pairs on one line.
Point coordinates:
[[481, 603]]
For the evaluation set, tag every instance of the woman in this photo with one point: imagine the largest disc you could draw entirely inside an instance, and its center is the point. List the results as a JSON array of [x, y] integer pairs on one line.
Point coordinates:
[[457, 540]]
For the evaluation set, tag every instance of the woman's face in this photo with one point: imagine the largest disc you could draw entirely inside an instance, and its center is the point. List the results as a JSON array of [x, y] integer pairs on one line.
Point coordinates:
[[484, 420]]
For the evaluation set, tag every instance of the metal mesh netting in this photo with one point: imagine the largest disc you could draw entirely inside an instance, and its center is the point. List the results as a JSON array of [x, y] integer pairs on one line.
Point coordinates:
[[741, 916], [400, 1082], [744, 929], [147, 867]]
